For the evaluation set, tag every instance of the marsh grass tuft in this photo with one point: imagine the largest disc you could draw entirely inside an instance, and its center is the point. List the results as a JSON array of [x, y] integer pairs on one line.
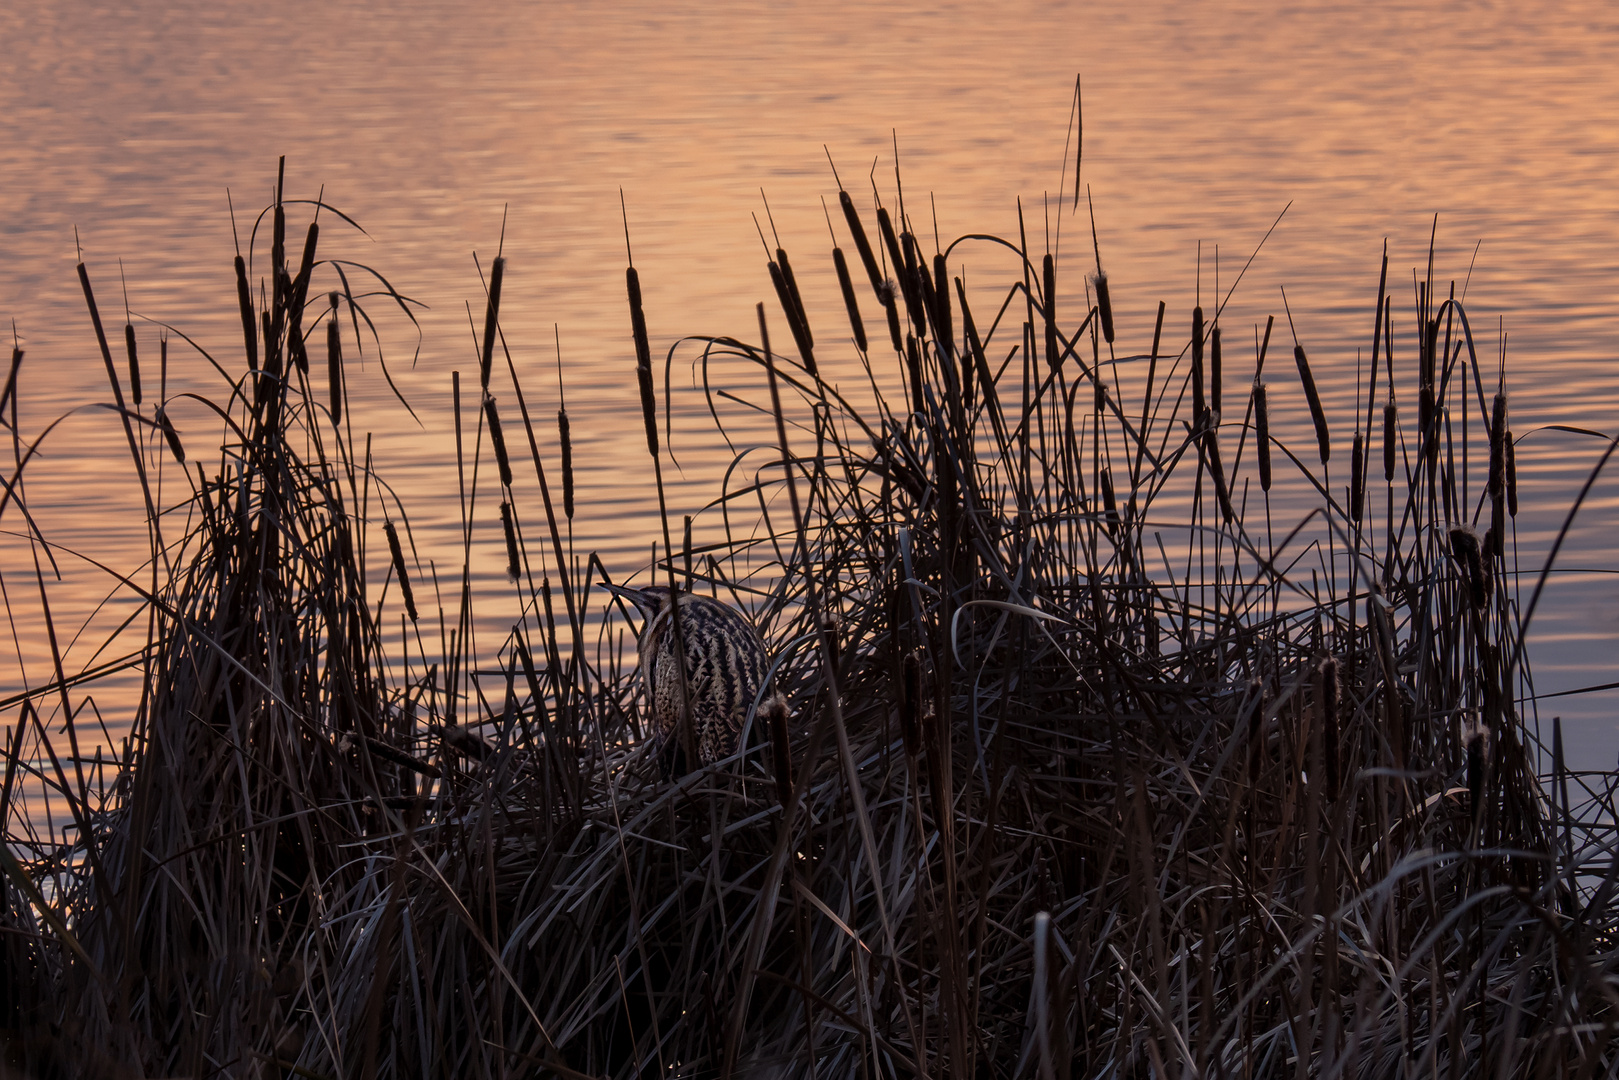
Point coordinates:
[[1075, 770]]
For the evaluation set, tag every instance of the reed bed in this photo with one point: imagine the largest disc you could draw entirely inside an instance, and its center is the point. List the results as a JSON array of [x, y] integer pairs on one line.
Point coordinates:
[[1088, 769]]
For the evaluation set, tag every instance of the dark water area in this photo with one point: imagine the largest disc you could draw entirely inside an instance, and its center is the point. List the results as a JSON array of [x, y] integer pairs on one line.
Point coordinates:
[[446, 131]]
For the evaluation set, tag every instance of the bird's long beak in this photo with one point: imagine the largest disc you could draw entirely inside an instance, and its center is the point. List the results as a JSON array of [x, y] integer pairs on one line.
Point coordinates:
[[646, 605]]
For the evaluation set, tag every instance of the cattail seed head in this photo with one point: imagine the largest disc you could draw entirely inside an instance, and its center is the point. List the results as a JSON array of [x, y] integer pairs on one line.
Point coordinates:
[[913, 368], [892, 310], [1048, 275], [1512, 476], [1197, 336], [862, 245], [1317, 414], [513, 560], [134, 363], [1211, 450], [1110, 504], [1214, 372], [856, 324], [1262, 434], [171, 435], [564, 433], [791, 309], [1391, 418], [1104, 305], [1467, 551], [1498, 445], [1329, 714], [945, 331], [334, 367], [498, 439], [250, 330], [399, 568], [1357, 479], [491, 320]]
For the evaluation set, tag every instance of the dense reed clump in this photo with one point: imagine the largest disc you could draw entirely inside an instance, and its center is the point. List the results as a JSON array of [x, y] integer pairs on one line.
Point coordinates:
[[1087, 770]]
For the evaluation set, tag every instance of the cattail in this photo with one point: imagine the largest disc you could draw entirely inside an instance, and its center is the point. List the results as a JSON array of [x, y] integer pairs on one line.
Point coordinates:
[[913, 368], [1357, 479], [790, 308], [334, 367], [792, 291], [775, 715], [910, 277], [892, 309], [910, 702], [134, 363], [1110, 504], [1465, 550], [1498, 445], [498, 439], [1317, 414], [530, 676], [564, 432], [1262, 434], [1214, 371], [885, 226], [1200, 406], [11, 380], [1104, 305], [244, 300], [491, 319], [171, 435], [861, 244], [944, 331], [1049, 283], [513, 561], [856, 323], [1498, 524], [399, 568], [1329, 716], [1211, 446], [643, 360], [974, 357], [1391, 417], [1512, 476]]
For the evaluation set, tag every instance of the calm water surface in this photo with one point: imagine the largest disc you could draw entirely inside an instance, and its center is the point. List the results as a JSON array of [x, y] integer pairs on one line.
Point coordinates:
[[436, 127]]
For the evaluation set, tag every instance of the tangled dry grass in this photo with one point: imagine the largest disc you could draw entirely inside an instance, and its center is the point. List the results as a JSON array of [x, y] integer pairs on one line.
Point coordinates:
[[1090, 770]]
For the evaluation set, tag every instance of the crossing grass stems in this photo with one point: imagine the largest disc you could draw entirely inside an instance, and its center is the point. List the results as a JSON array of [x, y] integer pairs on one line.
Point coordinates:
[[1075, 810]]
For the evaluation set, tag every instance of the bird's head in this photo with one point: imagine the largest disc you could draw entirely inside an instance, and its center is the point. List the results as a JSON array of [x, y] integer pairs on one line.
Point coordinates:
[[650, 601]]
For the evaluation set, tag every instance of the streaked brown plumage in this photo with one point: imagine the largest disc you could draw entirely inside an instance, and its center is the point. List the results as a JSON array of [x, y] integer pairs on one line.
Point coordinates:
[[725, 668]]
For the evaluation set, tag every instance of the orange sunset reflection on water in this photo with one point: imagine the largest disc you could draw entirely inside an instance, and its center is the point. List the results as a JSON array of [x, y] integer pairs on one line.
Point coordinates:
[[437, 128]]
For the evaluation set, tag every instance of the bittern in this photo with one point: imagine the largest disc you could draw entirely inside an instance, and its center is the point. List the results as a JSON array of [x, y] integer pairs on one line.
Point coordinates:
[[725, 669]]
